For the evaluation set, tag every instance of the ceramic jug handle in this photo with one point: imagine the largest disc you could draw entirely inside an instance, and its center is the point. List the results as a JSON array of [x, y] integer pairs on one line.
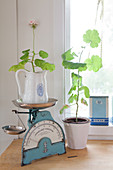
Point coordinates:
[[18, 81]]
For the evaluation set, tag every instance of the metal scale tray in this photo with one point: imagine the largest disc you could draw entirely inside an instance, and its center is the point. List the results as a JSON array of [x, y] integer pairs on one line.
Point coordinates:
[[51, 102], [16, 130], [13, 130]]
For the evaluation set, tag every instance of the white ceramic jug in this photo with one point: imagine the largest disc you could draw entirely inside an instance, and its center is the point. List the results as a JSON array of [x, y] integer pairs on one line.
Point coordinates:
[[35, 88]]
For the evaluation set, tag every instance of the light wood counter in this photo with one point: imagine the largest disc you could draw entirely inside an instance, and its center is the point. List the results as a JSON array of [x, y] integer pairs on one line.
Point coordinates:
[[97, 155]]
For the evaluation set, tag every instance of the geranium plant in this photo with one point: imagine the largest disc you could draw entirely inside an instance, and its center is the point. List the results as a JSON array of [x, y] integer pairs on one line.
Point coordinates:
[[92, 63], [32, 57]]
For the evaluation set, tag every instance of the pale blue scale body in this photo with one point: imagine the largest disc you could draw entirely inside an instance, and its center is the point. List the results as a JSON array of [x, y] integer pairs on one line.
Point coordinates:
[[45, 146]]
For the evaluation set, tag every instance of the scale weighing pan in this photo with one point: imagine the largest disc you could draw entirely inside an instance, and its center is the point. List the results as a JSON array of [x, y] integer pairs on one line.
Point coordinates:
[[13, 130], [16, 130], [19, 103]]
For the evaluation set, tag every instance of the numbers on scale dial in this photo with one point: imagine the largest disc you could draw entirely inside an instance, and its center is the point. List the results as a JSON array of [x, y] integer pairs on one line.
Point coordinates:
[[45, 128]]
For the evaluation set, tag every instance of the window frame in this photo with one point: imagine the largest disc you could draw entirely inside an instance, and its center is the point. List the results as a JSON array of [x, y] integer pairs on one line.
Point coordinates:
[[95, 132]]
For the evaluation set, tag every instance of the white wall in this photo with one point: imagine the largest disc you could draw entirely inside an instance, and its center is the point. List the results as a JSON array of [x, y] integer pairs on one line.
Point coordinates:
[[8, 56], [49, 37]]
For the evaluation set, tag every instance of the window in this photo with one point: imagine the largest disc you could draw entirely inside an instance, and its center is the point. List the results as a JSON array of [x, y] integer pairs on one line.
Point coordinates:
[[92, 14]]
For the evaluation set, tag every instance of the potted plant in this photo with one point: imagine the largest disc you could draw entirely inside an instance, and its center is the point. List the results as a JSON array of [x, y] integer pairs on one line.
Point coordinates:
[[35, 89], [77, 127]]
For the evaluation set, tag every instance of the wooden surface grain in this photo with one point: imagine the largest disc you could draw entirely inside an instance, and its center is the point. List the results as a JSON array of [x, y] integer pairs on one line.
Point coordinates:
[[97, 156]]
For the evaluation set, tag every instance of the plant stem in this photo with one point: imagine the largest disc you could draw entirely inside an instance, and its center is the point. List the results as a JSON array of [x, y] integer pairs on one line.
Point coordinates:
[[33, 50], [77, 98], [33, 39], [33, 66], [78, 89]]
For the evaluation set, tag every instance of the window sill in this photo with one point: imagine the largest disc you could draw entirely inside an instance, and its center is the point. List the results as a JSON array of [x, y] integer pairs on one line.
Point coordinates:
[[101, 132]]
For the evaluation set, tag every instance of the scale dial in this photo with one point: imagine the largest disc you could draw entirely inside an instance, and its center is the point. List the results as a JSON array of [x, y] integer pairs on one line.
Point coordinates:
[[45, 128]]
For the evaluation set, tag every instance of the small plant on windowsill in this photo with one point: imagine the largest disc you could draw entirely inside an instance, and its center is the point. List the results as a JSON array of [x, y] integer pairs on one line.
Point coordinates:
[[93, 63]]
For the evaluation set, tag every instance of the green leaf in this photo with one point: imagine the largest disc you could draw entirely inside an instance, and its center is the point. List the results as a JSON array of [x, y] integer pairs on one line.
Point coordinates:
[[72, 98], [95, 63], [71, 65], [63, 108], [75, 79], [24, 61], [48, 66], [25, 51], [75, 97], [16, 67], [83, 101], [73, 88], [86, 91], [25, 56], [73, 53], [68, 55], [43, 54], [39, 63], [92, 37], [82, 68], [44, 65]]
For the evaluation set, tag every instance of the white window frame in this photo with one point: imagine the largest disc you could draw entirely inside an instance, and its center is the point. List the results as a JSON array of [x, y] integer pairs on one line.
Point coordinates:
[[95, 132]]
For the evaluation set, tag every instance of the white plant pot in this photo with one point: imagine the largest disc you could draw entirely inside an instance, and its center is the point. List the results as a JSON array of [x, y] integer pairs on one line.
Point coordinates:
[[77, 134]]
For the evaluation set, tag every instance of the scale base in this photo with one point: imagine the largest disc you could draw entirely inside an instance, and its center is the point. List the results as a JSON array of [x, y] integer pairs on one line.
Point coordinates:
[[44, 149]]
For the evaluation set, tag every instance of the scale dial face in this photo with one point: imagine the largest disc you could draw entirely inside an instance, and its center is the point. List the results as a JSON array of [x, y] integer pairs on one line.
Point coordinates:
[[45, 128]]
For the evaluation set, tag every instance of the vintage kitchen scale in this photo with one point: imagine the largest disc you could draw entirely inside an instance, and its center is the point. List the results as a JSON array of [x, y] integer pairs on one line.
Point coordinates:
[[44, 137]]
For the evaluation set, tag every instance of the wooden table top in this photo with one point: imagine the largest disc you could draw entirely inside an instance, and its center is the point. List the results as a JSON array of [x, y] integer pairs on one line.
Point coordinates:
[[97, 155]]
